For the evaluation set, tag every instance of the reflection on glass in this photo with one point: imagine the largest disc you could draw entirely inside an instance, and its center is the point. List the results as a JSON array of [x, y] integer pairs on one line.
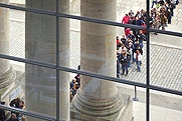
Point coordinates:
[[40, 37], [40, 90]]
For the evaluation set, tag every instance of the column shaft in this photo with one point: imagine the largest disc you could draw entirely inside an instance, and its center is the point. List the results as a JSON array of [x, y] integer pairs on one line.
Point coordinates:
[[98, 97], [7, 75], [40, 44]]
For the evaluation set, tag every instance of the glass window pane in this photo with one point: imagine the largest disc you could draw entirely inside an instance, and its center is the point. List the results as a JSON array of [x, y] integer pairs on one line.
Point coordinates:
[[40, 89], [36, 87], [166, 61], [93, 47], [138, 97], [40, 37], [165, 106]]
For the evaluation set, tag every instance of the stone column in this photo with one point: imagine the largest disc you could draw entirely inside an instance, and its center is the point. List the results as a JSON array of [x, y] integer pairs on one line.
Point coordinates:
[[7, 75], [98, 97], [40, 44]]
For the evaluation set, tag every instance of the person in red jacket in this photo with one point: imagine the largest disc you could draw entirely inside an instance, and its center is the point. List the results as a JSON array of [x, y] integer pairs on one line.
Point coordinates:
[[144, 25], [125, 19], [127, 31]]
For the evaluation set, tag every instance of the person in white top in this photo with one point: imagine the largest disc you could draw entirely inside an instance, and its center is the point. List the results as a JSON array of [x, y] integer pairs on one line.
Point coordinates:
[[138, 59], [122, 48]]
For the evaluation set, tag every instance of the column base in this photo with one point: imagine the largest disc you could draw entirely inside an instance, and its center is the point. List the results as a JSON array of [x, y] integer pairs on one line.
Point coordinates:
[[7, 78], [14, 89], [125, 114]]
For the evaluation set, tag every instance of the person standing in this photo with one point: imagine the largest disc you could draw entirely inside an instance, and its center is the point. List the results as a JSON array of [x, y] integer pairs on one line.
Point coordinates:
[[163, 21], [15, 104], [154, 2], [118, 65], [124, 63], [138, 59], [131, 14], [161, 2], [2, 113], [169, 16], [129, 54], [118, 42], [125, 19], [156, 24], [141, 38], [13, 117]]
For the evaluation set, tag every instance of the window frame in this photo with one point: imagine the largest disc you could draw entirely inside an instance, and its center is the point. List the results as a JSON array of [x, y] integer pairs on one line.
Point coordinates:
[[59, 68]]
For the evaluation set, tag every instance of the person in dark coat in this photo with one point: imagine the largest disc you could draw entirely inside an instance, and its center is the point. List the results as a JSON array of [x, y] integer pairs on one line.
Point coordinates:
[[118, 65], [141, 38], [15, 104], [13, 117], [2, 113], [124, 63]]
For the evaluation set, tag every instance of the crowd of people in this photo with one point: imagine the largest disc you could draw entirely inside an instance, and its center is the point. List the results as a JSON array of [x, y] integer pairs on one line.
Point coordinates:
[[74, 86], [15, 103], [160, 15], [129, 51], [130, 44]]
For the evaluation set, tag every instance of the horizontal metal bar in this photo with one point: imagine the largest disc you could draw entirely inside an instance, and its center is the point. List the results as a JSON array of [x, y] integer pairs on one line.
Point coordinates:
[[29, 113], [100, 21], [118, 24], [62, 68], [166, 32], [88, 19], [95, 75], [29, 61], [91, 74], [167, 90]]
